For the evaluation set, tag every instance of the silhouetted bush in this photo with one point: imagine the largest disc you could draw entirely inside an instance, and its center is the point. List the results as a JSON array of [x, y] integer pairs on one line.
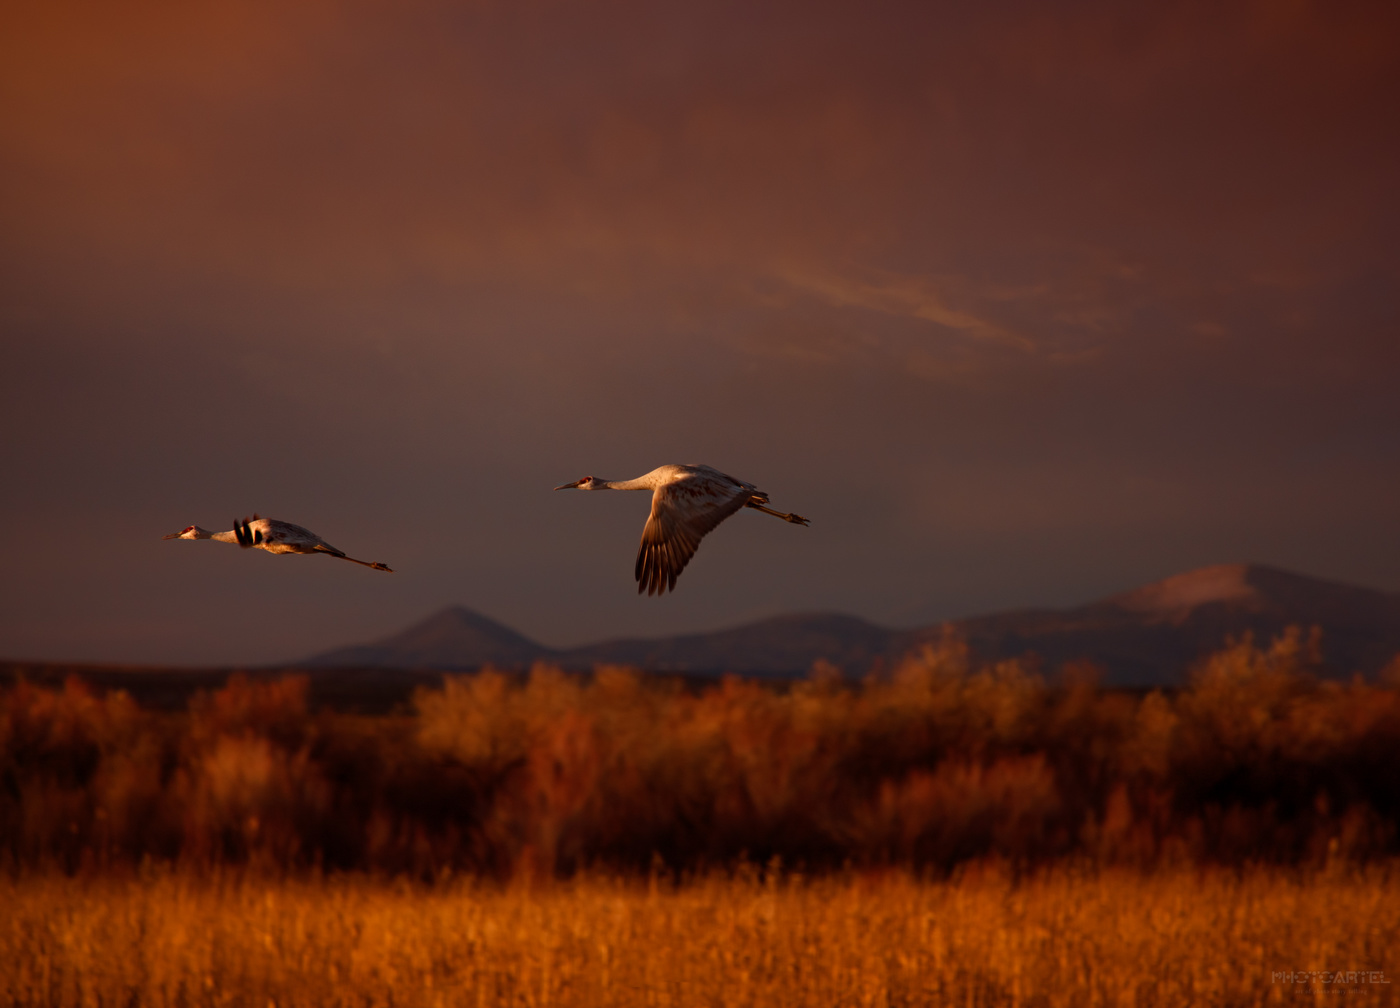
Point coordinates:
[[935, 763]]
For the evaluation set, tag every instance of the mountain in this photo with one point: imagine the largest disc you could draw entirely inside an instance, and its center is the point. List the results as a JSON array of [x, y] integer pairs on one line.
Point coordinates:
[[783, 645], [1147, 636], [456, 637], [1152, 635]]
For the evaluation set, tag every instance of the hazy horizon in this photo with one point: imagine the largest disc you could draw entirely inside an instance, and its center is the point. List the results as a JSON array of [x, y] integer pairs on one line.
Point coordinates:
[[1022, 307]]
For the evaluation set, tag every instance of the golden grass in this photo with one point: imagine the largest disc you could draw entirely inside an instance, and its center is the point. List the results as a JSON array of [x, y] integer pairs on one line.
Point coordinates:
[[1180, 937]]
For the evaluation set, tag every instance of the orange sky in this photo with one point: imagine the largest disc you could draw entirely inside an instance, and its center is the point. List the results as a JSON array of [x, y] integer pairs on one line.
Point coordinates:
[[1021, 304]]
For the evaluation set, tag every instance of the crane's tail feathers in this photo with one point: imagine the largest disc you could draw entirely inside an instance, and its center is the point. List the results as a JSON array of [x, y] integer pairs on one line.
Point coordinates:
[[796, 519]]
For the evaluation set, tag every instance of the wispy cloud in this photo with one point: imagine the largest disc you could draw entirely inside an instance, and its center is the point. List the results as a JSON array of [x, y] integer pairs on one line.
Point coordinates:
[[910, 297]]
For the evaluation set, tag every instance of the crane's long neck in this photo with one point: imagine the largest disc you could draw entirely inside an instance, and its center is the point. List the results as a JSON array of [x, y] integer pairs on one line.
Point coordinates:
[[229, 537], [640, 483]]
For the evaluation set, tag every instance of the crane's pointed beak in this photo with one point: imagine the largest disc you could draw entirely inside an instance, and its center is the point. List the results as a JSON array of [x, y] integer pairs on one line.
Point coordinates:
[[572, 486], [174, 535]]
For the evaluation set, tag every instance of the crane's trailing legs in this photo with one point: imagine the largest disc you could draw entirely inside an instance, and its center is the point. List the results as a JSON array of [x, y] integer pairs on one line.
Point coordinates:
[[796, 519], [342, 556]]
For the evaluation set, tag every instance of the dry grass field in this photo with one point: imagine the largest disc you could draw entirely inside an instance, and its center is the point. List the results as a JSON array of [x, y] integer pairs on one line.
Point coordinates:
[[948, 833], [1061, 937]]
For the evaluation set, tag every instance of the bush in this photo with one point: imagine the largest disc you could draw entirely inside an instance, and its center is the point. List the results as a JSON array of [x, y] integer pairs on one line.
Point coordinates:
[[545, 774]]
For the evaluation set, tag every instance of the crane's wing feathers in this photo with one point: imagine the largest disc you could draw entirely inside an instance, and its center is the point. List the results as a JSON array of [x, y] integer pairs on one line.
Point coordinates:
[[248, 532], [281, 531], [682, 512], [269, 532]]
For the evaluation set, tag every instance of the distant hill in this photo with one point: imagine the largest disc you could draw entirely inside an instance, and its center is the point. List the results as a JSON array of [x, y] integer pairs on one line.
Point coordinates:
[[456, 637], [1148, 636], [1151, 635], [783, 645]]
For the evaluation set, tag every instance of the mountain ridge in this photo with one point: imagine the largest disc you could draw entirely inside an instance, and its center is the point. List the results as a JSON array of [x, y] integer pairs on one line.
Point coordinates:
[[1146, 636]]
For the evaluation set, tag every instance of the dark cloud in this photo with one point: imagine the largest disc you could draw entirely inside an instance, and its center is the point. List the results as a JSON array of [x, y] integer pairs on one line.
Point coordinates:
[[1021, 304]]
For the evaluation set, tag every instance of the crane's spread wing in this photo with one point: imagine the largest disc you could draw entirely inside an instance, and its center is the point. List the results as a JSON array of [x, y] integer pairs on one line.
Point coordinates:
[[285, 532], [278, 536], [246, 534], [681, 514], [284, 537]]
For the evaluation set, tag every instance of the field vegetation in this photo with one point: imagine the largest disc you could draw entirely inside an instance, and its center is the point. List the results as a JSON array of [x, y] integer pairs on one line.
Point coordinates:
[[547, 774], [749, 937], [947, 832]]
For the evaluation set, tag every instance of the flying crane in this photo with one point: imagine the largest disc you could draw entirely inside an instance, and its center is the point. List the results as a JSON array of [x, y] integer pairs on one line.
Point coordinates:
[[687, 501], [274, 536]]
